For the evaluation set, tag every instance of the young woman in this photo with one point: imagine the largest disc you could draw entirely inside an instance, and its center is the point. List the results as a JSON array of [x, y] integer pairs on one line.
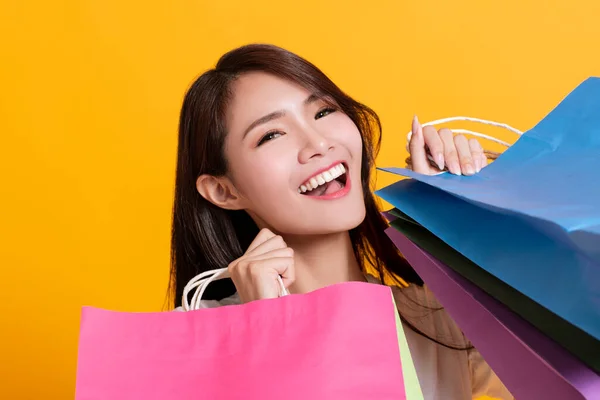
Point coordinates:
[[274, 179]]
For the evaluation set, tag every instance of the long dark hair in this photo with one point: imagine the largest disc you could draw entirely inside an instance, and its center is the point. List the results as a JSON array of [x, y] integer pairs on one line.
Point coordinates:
[[206, 237]]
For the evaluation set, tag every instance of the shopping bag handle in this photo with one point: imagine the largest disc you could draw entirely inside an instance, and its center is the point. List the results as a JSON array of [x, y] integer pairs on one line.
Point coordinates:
[[199, 283], [468, 132]]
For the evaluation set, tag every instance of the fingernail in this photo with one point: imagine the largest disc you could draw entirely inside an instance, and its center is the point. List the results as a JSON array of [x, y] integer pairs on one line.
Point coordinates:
[[477, 165], [455, 168], [469, 169], [415, 125], [439, 159]]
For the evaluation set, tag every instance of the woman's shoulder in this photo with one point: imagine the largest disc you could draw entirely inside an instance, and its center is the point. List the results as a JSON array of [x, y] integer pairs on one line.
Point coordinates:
[[421, 309], [412, 296]]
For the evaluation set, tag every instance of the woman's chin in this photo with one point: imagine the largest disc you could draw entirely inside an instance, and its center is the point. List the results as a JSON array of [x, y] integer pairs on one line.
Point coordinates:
[[330, 224]]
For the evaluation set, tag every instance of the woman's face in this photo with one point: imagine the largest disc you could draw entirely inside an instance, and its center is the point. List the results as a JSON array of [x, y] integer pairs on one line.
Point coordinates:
[[293, 161]]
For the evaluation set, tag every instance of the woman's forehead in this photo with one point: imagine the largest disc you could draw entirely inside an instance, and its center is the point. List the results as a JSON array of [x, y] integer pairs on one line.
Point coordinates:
[[257, 94], [267, 88]]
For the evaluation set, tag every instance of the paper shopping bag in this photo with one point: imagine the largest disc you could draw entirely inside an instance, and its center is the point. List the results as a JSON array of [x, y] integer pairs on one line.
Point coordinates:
[[531, 218], [529, 363], [409, 373], [506, 253], [340, 342], [548, 178], [569, 336]]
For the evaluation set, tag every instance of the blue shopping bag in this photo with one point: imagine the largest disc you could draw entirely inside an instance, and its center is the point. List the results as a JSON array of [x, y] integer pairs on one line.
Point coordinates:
[[549, 177], [532, 218], [574, 340]]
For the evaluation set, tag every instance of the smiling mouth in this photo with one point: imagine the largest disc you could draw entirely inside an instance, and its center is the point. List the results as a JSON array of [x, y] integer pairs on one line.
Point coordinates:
[[326, 183]]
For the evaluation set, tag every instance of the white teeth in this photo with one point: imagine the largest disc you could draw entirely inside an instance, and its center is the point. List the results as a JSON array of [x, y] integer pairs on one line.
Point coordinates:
[[322, 178]]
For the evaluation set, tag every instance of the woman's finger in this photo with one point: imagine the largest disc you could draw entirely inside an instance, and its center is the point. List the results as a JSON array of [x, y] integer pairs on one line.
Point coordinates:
[[277, 253], [463, 149], [433, 142], [477, 154], [418, 154], [282, 266], [264, 235], [272, 243], [450, 152], [484, 161], [258, 279]]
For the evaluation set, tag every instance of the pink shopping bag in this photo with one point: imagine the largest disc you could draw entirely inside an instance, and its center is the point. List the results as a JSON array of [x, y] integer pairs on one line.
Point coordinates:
[[340, 342]]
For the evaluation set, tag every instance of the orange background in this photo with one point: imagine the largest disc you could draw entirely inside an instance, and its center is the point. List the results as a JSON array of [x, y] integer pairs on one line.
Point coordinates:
[[89, 101]]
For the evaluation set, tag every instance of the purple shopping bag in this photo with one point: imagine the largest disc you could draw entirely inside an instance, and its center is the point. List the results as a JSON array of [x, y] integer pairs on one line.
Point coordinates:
[[530, 364]]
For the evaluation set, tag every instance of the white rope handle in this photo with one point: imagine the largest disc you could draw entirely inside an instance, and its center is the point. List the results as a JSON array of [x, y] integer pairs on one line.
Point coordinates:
[[201, 281], [477, 134]]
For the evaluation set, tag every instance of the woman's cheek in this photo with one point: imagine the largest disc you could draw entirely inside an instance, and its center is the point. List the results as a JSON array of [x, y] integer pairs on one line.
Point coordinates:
[[266, 179], [345, 132]]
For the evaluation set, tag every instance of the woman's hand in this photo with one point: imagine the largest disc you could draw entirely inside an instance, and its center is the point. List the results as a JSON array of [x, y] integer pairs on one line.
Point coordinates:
[[255, 273], [460, 155]]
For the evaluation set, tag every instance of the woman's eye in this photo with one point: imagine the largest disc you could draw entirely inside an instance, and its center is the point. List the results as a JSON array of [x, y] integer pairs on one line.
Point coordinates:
[[324, 112], [270, 136]]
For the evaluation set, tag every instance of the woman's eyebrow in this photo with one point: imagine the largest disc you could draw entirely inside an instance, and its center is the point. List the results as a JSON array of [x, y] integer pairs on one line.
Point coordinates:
[[277, 114], [312, 98], [263, 120]]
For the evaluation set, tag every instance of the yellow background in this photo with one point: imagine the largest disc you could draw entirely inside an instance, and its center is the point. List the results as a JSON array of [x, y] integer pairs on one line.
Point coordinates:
[[89, 99]]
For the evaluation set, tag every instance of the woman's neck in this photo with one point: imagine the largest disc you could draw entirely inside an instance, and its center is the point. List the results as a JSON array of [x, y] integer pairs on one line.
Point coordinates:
[[322, 261]]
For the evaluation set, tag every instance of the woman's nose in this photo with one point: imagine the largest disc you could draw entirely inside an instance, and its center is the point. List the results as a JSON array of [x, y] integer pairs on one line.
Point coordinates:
[[315, 145]]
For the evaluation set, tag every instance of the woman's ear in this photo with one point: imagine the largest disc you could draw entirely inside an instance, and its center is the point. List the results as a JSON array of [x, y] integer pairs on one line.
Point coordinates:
[[219, 191]]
